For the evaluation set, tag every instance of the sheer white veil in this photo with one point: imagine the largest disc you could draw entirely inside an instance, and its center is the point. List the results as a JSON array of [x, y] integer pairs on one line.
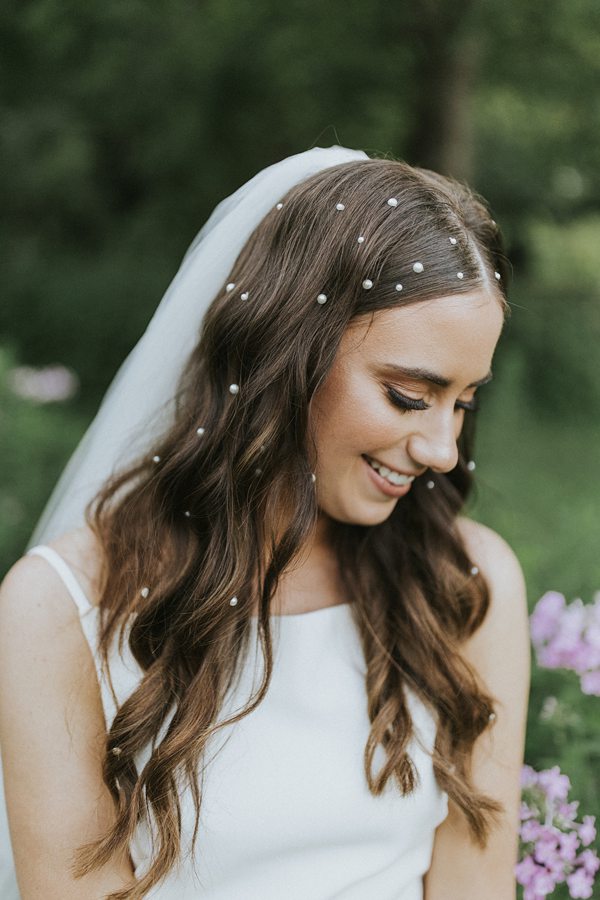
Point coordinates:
[[136, 407]]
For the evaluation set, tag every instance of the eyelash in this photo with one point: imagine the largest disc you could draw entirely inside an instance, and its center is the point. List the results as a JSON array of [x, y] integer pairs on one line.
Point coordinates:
[[408, 403]]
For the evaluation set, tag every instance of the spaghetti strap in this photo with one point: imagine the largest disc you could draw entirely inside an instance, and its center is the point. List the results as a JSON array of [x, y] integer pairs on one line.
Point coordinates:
[[61, 567]]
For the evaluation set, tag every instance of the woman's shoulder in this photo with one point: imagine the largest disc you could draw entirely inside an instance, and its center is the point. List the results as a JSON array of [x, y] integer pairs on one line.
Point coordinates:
[[81, 550], [490, 552], [33, 597], [507, 619]]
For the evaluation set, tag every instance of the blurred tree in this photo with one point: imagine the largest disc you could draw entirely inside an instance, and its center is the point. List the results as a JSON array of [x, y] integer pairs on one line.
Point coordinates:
[[124, 124]]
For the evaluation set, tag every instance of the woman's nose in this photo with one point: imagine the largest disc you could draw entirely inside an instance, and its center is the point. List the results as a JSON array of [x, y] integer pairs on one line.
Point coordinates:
[[434, 445]]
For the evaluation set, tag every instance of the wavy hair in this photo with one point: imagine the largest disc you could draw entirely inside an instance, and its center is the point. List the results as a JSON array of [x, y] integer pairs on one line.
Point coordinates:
[[227, 514]]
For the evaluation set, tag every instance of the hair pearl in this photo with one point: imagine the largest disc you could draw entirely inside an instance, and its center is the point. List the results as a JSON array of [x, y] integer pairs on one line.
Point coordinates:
[[430, 484], [340, 206], [245, 295], [279, 206], [492, 717], [187, 513], [233, 601], [417, 267], [471, 465], [144, 592], [200, 431], [497, 274], [230, 286], [116, 751], [392, 202], [367, 284], [156, 459], [460, 275], [361, 239], [313, 477], [452, 240], [474, 570], [234, 388], [322, 298], [398, 287]]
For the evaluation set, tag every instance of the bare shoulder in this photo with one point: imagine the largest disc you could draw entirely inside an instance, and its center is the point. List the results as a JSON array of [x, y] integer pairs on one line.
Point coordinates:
[[507, 620], [38, 613], [81, 551], [503, 574], [36, 609], [488, 550]]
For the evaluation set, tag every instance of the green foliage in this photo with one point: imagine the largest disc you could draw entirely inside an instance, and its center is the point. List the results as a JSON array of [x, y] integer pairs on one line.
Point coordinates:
[[35, 443]]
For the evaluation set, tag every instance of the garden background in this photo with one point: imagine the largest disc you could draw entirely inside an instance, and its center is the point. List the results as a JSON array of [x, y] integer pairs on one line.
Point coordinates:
[[123, 124]]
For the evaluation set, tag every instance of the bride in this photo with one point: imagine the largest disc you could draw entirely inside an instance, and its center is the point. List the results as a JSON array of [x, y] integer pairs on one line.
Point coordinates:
[[254, 649]]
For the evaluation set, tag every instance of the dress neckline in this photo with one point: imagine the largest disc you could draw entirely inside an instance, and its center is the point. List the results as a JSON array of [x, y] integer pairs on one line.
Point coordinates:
[[322, 610]]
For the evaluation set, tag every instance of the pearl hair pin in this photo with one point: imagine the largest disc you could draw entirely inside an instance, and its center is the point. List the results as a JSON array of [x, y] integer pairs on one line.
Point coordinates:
[[360, 239], [245, 295], [492, 717], [452, 240], [233, 601], [200, 431], [279, 205], [340, 206], [230, 287], [322, 298], [367, 284], [187, 513], [116, 751], [474, 570], [313, 477], [398, 287], [471, 465], [498, 276], [418, 267], [430, 484], [145, 591], [460, 275], [234, 388], [156, 459], [392, 202]]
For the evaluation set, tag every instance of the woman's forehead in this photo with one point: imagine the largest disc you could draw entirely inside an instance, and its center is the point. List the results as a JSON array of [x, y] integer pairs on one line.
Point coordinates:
[[445, 335]]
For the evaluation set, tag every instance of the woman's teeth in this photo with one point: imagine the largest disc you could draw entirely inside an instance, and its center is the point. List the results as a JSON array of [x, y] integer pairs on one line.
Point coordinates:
[[389, 474]]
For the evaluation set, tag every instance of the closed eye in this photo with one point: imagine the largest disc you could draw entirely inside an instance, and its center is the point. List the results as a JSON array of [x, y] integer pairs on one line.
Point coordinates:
[[471, 405], [404, 402], [409, 403]]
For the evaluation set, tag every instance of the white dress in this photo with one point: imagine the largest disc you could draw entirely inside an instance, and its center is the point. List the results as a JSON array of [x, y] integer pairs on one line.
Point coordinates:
[[286, 811]]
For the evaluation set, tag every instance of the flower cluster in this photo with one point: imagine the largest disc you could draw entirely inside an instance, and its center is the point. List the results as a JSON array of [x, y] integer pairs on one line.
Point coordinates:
[[50, 384], [550, 838], [568, 637]]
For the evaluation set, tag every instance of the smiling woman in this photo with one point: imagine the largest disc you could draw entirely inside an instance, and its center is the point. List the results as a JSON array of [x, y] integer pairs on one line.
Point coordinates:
[[308, 672]]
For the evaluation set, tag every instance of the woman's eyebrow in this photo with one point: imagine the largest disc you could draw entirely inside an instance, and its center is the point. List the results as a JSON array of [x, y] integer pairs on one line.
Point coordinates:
[[420, 374]]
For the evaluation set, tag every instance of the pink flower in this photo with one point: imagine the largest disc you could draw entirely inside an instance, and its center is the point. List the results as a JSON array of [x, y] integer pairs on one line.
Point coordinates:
[[555, 785], [49, 384], [589, 861], [580, 883], [546, 616], [587, 831], [590, 683], [529, 776], [550, 838]]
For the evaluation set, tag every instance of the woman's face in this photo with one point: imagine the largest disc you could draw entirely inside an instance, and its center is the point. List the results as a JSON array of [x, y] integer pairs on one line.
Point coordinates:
[[441, 349]]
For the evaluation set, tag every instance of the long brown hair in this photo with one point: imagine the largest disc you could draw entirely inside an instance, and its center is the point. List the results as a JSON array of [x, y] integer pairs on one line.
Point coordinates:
[[227, 514]]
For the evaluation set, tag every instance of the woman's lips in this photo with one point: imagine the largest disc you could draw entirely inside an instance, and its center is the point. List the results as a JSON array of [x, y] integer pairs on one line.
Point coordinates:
[[390, 490]]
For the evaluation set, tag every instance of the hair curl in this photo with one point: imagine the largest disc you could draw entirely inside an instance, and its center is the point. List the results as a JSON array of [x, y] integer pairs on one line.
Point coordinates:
[[409, 580]]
